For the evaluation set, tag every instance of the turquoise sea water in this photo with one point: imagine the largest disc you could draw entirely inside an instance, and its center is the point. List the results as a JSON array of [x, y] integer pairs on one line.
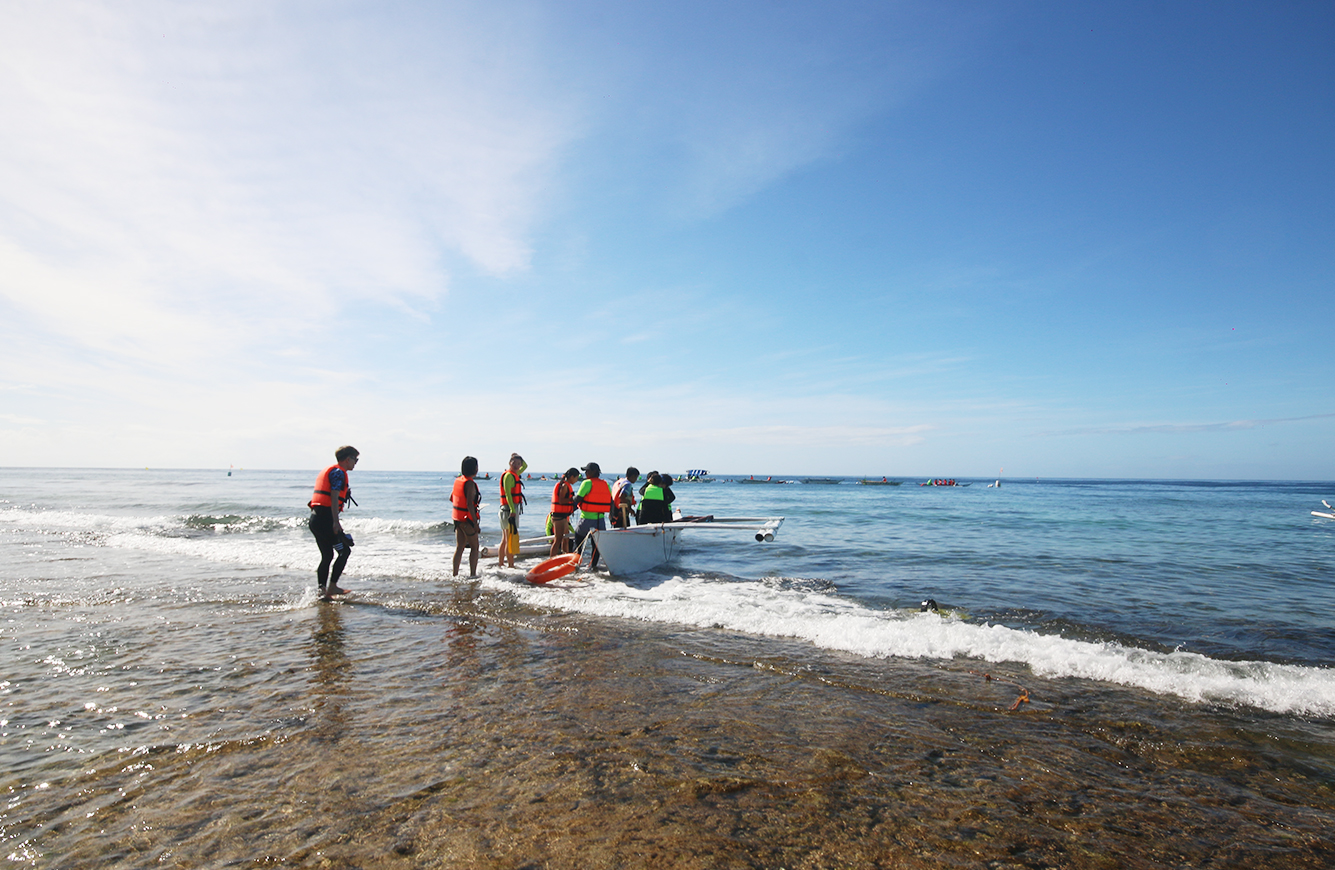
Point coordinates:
[[158, 623]]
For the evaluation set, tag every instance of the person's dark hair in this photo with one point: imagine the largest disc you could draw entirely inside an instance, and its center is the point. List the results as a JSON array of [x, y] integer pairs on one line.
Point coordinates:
[[654, 479], [345, 451], [632, 472], [572, 472], [468, 467]]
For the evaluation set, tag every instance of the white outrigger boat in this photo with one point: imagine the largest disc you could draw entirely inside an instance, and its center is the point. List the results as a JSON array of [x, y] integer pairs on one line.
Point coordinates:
[[1325, 516], [640, 548]]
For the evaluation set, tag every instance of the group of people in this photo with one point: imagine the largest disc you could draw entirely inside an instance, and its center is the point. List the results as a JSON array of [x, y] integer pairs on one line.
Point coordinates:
[[592, 498]]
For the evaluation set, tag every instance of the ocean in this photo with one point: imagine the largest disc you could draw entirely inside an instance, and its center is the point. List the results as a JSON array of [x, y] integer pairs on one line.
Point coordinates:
[[1119, 673]]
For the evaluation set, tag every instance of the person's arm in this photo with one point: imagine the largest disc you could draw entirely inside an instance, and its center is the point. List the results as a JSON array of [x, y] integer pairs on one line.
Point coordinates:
[[585, 488], [338, 481], [474, 502]]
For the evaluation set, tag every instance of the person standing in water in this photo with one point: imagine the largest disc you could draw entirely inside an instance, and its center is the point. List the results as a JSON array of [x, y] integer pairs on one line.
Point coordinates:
[[563, 505], [466, 505], [653, 504], [512, 504], [332, 492], [623, 498], [594, 500]]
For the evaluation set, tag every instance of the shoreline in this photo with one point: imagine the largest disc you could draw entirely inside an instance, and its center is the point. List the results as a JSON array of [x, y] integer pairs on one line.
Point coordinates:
[[491, 735]]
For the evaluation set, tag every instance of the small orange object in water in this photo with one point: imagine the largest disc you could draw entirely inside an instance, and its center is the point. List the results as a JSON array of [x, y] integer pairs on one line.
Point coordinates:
[[557, 566]]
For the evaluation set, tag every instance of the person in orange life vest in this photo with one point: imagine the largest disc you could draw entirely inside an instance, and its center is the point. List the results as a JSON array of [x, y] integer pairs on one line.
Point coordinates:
[[623, 498], [332, 492], [466, 510], [512, 505], [563, 505], [594, 500]]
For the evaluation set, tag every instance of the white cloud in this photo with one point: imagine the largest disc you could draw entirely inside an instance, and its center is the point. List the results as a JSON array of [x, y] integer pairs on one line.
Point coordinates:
[[173, 172]]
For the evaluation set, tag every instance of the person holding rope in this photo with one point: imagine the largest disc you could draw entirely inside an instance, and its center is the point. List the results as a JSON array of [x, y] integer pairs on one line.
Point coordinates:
[[594, 501]]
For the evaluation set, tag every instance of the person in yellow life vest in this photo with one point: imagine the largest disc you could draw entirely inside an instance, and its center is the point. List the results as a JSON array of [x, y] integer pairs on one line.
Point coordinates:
[[563, 505], [466, 510], [654, 504], [512, 505], [594, 501], [332, 492]]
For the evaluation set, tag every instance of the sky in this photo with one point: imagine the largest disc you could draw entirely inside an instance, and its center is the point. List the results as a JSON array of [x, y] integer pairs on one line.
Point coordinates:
[[960, 239]]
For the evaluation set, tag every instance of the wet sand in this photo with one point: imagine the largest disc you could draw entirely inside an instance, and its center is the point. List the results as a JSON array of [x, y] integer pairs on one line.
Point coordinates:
[[477, 734]]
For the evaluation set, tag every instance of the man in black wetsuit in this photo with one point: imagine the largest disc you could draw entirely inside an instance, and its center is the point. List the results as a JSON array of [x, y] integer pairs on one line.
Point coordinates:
[[331, 493]]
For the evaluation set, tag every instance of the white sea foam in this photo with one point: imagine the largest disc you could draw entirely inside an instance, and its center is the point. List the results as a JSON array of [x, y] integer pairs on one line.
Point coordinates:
[[834, 623], [823, 619]]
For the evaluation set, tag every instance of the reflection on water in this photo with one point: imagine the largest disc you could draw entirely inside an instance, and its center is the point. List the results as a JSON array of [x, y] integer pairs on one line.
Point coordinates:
[[479, 734], [331, 667]]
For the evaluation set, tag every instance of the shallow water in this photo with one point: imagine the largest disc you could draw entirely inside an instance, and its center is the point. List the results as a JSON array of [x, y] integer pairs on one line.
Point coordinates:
[[173, 694]]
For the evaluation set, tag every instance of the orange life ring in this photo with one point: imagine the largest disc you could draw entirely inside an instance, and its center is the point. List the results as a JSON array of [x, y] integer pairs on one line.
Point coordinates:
[[557, 566]]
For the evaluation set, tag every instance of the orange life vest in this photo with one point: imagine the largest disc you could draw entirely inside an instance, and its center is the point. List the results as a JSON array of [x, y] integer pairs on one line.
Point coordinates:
[[516, 492], [560, 507], [459, 500], [599, 499], [323, 496]]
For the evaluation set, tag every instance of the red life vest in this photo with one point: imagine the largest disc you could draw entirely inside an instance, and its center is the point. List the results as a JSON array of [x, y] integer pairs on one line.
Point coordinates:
[[516, 491], [459, 500], [560, 507], [599, 499], [323, 497]]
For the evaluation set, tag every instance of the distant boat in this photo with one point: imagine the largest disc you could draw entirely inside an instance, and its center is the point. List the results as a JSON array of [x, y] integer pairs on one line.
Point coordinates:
[[882, 482], [825, 481], [766, 480], [943, 481]]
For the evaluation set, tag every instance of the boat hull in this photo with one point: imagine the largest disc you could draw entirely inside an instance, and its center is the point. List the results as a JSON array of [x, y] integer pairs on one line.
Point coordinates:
[[637, 549]]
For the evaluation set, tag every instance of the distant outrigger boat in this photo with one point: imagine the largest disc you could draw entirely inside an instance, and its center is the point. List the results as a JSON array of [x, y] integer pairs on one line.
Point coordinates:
[[823, 481], [696, 475], [943, 481], [766, 480], [882, 482]]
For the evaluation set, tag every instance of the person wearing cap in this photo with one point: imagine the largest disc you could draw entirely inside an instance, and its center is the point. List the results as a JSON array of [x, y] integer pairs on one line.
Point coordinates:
[[563, 505], [623, 498], [594, 501], [512, 504]]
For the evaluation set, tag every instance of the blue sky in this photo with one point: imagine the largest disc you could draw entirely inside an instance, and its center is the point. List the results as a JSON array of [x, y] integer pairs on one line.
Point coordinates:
[[1063, 239]]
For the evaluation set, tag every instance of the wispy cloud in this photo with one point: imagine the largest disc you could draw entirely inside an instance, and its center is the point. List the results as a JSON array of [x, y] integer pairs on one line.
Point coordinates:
[[171, 172]]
